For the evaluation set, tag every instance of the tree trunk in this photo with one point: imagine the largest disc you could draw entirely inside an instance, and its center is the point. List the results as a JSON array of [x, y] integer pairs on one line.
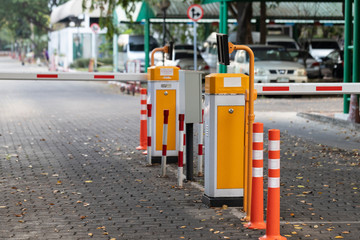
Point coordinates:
[[243, 18], [262, 22]]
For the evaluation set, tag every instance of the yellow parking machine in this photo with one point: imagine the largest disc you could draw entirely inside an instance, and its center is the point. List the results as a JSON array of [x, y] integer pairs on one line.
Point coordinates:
[[163, 93], [228, 116]]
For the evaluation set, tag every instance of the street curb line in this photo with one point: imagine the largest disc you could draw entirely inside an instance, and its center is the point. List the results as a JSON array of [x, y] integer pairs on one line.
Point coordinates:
[[334, 121]]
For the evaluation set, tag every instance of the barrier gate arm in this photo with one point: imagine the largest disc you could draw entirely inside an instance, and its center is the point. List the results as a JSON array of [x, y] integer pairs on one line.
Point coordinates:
[[307, 88], [251, 118], [76, 76], [261, 88]]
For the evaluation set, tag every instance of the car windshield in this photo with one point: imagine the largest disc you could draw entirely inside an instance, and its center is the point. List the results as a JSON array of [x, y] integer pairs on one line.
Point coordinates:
[[300, 54], [270, 54], [184, 47], [324, 45], [181, 55], [139, 47], [284, 44]]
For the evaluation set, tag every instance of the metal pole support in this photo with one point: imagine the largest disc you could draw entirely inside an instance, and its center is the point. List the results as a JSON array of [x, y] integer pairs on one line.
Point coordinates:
[[189, 152]]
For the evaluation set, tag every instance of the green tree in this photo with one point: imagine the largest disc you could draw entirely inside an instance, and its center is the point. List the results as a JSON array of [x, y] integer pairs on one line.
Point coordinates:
[[27, 19]]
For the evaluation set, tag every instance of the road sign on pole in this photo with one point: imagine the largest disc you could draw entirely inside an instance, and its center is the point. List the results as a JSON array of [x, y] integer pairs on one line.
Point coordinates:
[[95, 27], [195, 12]]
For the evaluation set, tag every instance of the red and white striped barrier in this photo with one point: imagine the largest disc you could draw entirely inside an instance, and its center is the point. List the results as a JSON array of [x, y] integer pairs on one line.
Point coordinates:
[[273, 199], [149, 109], [181, 150], [143, 127], [70, 76], [262, 88], [257, 192], [200, 145], [164, 146], [306, 88]]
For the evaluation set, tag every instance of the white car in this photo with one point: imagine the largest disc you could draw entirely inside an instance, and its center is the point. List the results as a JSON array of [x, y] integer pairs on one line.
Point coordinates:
[[273, 64], [320, 48], [281, 40], [183, 58]]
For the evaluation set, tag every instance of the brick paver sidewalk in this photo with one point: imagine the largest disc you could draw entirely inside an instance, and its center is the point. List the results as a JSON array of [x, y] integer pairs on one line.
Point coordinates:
[[68, 170]]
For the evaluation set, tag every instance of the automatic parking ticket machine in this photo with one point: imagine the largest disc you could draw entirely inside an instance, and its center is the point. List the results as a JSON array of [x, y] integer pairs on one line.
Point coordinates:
[[163, 93], [228, 113]]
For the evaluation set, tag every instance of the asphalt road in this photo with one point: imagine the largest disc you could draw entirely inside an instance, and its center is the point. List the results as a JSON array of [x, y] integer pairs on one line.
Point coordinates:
[[281, 113]]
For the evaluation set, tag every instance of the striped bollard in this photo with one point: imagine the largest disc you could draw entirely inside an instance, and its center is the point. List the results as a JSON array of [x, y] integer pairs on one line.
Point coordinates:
[[181, 150], [164, 146], [273, 199], [257, 193], [149, 108], [200, 146], [143, 127]]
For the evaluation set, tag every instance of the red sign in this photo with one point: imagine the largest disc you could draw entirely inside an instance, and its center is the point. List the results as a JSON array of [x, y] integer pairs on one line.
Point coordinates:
[[195, 12], [95, 27]]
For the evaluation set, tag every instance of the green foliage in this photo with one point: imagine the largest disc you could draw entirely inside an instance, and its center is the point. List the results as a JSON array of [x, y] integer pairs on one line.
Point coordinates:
[[106, 48], [80, 63], [27, 20], [105, 61], [107, 7], [84, 62], [5, 38], [19, 14]]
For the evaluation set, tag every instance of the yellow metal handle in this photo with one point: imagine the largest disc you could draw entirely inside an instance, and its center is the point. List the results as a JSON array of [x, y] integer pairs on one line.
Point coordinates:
[[164, 49], [251, 116]]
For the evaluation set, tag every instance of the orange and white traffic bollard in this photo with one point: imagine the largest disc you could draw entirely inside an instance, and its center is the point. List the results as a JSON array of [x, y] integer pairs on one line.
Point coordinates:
[[143, 126], [200, 146], [149, 109], [181, 150], [164, 145], [273, 199], [257, 193]]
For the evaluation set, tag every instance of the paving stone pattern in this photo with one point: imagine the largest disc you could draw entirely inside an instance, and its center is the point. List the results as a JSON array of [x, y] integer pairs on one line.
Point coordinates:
[[68, 170]]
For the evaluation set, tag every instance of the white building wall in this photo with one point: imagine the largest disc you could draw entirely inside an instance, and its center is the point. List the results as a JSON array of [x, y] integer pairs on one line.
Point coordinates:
[[61, 42]]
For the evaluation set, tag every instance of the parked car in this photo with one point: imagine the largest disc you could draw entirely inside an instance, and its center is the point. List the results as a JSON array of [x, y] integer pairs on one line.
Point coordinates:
[[273, 64], [281, 40], [303, 57], [333, 65], [184, 59], [319, 48], [131, 56], [209, 48]]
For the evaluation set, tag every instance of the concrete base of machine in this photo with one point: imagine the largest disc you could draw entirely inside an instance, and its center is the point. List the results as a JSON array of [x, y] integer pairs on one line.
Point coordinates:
[[172, 159], [220, 201]]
